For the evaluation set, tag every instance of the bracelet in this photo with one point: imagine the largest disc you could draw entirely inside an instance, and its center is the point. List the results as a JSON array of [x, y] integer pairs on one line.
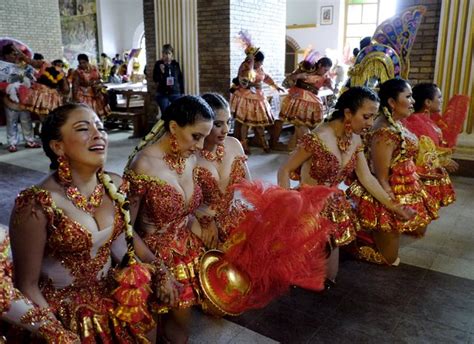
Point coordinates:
[[54, 332], [36, 315]]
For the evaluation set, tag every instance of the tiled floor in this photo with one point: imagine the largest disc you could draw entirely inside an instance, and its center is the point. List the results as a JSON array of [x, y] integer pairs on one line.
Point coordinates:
[[429, 298]]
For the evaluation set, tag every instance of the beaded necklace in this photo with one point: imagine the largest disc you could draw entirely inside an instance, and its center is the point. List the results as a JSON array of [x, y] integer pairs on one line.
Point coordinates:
[[218, 155]]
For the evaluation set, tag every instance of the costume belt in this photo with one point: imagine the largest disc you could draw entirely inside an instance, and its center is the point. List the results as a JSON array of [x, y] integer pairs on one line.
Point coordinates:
[[307, 87]]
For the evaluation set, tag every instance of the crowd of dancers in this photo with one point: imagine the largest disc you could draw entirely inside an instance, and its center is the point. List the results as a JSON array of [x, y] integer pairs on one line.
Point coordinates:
[[103, 258]]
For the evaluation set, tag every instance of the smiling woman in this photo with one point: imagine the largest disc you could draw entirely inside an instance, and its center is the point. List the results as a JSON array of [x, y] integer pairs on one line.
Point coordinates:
[[75, 221]]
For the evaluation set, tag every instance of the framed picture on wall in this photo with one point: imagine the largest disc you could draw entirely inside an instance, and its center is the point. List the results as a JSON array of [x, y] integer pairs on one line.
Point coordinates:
[[327, 13]]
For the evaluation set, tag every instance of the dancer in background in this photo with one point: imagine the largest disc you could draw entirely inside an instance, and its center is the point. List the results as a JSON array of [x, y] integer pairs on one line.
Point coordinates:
[[392, 151], [87, 87], [303, 107], [16, 77], [328, 156], [248, 103]]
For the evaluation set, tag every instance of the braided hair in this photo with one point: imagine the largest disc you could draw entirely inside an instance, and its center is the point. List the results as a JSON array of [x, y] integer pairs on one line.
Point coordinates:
[[51, 130], [184, 111], [392, 89]]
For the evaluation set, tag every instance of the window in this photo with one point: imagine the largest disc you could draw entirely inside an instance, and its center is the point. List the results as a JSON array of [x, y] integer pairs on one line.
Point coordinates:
[[363, 17]]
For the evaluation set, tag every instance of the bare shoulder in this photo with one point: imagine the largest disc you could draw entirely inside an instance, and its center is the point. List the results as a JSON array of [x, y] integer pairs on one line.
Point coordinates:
[[324, 131], [233, 146], [143, 162]]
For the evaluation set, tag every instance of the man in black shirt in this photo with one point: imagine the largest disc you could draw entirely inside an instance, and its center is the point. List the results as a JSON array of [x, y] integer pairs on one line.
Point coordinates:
[[168, 78]]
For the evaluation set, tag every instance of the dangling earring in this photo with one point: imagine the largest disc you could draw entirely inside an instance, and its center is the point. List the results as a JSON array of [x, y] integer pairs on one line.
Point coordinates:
[[174, 145], [64, 170], [174, 160], [344, 142]]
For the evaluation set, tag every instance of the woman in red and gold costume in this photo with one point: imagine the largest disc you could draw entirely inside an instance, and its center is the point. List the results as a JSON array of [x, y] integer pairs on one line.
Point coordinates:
[[434, 155], [222, 165], [87, 87], [248, 102], [278, 228], [75, 221], [392, 151], [303, 107], [17, 310], [329, 155], [47, 93], [164, 195]]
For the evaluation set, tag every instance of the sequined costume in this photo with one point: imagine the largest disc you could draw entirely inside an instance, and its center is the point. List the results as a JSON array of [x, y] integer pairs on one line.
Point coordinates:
[[248, 103], [44, 95], [406, 187], [431, 153], [164, 208], [325, 169], [302, 105], [227, 213], [87, 90], [75, 273]]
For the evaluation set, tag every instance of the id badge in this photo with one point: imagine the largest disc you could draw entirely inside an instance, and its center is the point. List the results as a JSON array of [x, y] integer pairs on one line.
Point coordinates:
[[169, 81]]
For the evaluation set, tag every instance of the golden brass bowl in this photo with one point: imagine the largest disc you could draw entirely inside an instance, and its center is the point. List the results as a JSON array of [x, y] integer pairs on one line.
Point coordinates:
[[225, 288]]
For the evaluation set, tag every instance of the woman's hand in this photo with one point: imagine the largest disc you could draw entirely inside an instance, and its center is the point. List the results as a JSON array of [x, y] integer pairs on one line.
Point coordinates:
[[169, 290], [210, 235], [451, 165], [404, 213]]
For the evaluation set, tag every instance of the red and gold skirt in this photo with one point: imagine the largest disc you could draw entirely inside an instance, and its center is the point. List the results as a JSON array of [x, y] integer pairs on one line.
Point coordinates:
[[345, 225], [302, 107], [96, 100], [181, 254], [41, 99], [408, 191], [251, 108], [89, 312], [438, 185]]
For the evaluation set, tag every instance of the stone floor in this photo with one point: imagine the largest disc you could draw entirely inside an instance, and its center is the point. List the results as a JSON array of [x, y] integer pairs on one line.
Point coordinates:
[[429, 298]]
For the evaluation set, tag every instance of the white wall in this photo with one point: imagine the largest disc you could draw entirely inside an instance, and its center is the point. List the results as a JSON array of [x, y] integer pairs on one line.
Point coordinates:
[[321, 37], [118, 23]]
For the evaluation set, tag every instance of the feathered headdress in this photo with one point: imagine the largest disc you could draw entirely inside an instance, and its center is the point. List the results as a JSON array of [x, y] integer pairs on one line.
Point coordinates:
[[246, 41], [18, 44], [310, 57]]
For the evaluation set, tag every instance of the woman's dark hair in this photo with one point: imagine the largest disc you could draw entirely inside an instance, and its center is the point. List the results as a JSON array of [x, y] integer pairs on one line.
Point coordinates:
[[215, 101], [57, 62], [391, 89], [38, 56], [259, 57], [423, 91], [324, 62], [186, 110], [8, 49], [167, 48], [353, 99], [82, 57], [51, 129]]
